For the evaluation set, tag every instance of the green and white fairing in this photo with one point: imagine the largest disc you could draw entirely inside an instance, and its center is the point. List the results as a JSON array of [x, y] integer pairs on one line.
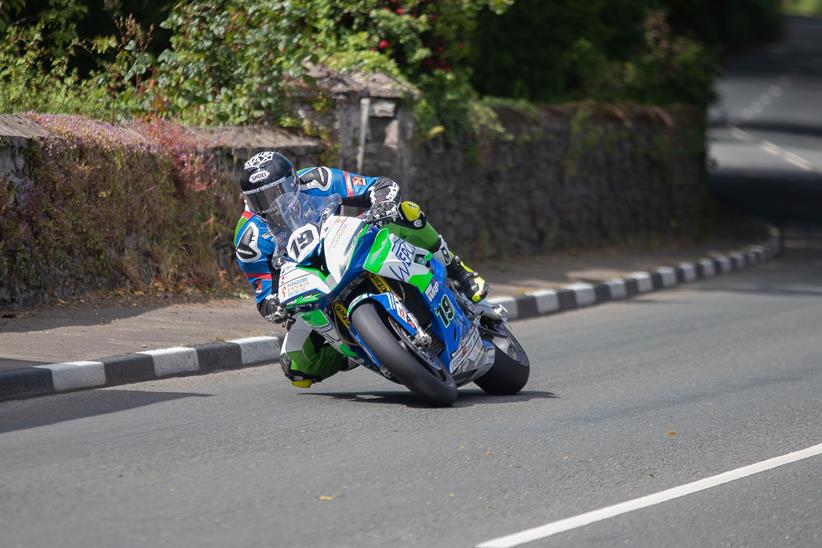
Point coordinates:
[[330, 254]]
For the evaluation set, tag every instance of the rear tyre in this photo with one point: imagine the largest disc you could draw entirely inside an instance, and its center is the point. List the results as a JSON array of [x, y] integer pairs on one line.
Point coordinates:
[[511, 367], [435, 386]]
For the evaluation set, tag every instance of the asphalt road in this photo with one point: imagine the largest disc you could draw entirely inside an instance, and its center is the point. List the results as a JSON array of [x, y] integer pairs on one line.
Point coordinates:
[[766, 136], [625, 400]]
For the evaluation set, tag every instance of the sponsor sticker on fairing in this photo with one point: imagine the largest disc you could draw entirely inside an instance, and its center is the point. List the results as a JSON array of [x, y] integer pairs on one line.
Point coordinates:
[[295, 287], [432, 290], [405, 315], [470, 355]]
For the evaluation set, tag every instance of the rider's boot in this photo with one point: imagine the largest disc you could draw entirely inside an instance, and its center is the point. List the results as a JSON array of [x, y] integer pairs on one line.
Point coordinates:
[[470, 283]]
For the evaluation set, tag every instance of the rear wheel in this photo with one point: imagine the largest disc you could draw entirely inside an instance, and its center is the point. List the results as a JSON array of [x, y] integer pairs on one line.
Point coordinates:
[[427, 379], [511, 367]]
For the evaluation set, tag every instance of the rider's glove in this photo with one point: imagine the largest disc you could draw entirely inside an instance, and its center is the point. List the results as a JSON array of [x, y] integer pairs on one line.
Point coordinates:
[[382, 211], [272, 310]]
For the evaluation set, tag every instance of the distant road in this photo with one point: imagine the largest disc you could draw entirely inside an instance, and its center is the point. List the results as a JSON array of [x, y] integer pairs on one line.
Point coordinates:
[[767, 128]]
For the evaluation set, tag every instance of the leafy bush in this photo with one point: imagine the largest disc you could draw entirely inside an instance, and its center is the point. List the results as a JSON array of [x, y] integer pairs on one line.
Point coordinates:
[[804, 7], [614, 49], [38, 70], [8, 10], [230, 61], [112, 206], [233, 61], [726, 24]]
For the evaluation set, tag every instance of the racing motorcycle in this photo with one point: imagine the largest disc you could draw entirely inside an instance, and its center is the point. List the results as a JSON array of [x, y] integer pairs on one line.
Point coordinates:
[[388, 306]]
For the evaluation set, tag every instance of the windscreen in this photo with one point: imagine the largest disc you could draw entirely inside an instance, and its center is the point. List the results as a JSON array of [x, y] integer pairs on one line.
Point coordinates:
[[299, 209]]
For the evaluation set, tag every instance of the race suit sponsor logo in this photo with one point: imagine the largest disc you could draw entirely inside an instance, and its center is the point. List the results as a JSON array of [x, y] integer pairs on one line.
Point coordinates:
[[318, 177], [348, 186], [248, 249], [258, 176]]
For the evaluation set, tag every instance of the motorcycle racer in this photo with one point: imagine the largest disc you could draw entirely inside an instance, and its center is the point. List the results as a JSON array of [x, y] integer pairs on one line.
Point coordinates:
[[260, 238]]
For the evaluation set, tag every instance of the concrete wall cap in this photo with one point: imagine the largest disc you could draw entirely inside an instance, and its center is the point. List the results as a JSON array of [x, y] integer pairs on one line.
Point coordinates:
[[15, 125]]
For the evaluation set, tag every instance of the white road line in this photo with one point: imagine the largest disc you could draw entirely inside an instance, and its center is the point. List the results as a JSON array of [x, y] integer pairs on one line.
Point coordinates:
[[755, 108], [594, 516], [773, 150], [770, 148], [742, 135], [797, 160]]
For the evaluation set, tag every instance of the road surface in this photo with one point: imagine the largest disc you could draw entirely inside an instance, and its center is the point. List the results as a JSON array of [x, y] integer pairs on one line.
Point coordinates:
[[635, 398], [625, 400]]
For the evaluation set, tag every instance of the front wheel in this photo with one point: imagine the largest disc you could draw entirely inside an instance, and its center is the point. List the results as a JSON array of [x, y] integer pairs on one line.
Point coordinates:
[[511, 367], [430, 383]]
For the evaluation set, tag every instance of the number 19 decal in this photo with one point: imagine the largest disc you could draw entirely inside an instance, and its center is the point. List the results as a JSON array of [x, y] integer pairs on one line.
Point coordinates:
[[445, 311]]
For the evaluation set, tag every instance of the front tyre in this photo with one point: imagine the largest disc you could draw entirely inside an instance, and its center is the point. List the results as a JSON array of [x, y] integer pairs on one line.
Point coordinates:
[[511, 367], [435, 386]]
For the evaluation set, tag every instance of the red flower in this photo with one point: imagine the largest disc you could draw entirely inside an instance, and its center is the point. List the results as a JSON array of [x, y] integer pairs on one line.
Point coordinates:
[[399, 11], [383, 44]]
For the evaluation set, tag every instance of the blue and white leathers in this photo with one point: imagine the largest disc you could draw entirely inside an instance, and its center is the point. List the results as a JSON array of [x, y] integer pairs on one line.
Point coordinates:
[[256, 246]]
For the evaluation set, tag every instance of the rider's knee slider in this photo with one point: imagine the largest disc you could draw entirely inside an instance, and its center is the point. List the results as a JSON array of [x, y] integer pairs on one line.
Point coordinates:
[[411, 215]]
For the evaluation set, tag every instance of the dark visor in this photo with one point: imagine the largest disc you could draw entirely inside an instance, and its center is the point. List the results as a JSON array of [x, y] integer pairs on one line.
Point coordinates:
[[262, 201]]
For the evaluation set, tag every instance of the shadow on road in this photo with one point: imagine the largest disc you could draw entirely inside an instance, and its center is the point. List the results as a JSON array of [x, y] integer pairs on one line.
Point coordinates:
[[44, 318], [467, 398], [42, 411]]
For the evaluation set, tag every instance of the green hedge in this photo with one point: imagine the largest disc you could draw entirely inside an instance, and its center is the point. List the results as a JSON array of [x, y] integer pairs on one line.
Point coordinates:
[[108, 206], [653, 51], [232, 61]]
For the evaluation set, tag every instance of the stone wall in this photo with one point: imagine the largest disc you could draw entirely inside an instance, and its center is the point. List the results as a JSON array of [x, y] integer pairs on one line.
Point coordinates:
[[86, 205], [547, 178], [565, 176]]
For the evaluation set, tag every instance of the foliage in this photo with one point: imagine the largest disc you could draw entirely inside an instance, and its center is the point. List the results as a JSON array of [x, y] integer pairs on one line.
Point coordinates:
[[726, 24], [613, 49], [8, 10], [804, 7], [670, 69], [35, 66], [230, 61], [33, 78], [109, 209]]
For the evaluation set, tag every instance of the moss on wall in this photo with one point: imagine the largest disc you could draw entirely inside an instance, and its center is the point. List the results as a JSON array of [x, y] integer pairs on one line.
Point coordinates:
[[104, 207], [580, 174]]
